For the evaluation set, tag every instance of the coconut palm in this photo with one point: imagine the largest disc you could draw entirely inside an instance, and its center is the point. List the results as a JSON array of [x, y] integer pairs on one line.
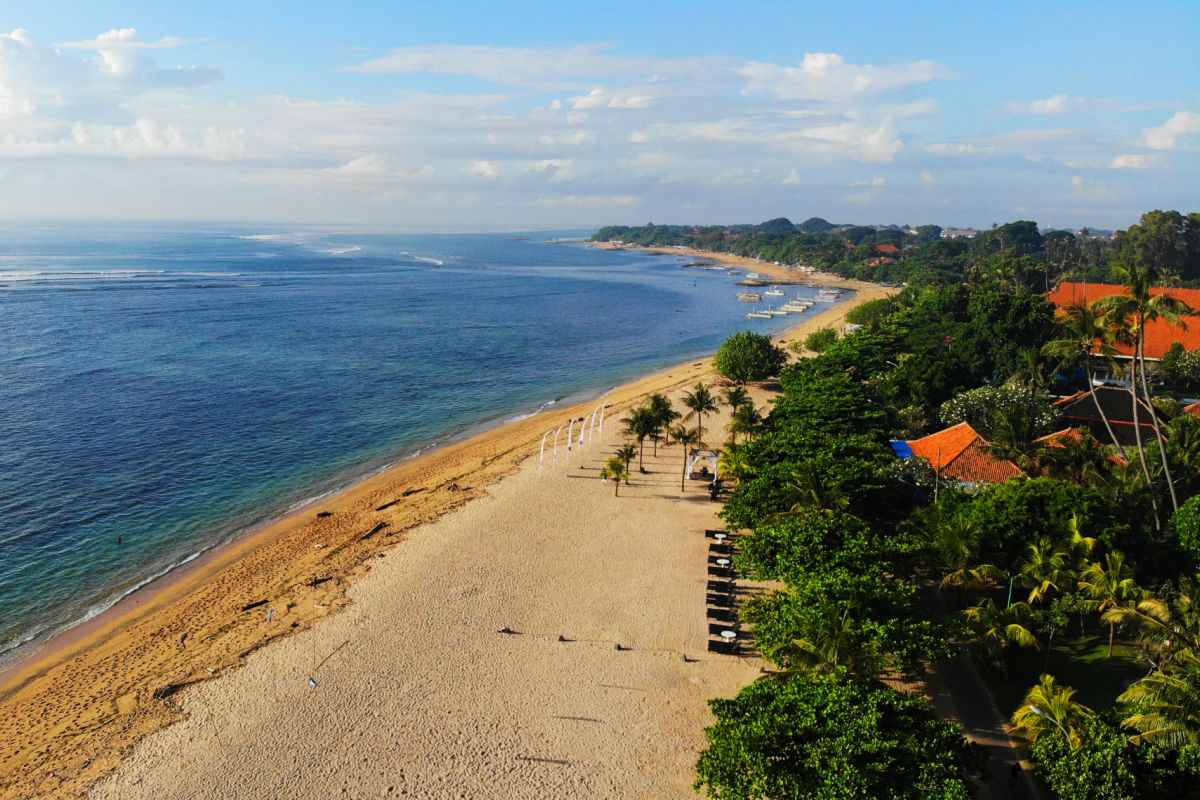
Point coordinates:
[[700, 402], [1170, 703], [1087, 335], [1049, 709], [626, 452], [1169, 626], [736, 396], [956, 544], [685, 438], [1130, 314], [1107, 586], [640, 424], [615, 471], [1043, 569], [745, 419], [993, 628], [735, 461], [660, 407], [829, 640]]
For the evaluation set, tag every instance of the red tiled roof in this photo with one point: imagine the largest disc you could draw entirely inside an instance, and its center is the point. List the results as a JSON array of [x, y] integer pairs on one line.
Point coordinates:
[[1160, 335], [887, 248], [1193, 409], [957, 452]]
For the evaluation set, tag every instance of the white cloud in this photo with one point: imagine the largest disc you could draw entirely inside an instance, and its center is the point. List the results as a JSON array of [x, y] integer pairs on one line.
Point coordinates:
[[955, 149], [793, 178], [1060, 105], [1130, 161], [927, 178], [1090, 190], [370, 164], [873, 182], [586, 201], [827, 76], [1167, 135], [482, 169]]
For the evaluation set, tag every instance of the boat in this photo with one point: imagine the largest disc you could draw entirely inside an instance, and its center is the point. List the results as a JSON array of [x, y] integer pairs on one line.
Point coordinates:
[[776, 312], [775, 291], [756, 314], [753, 275], [749, 297]]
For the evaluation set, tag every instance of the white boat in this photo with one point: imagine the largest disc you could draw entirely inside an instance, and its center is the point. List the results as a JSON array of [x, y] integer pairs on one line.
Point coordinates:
[[749, 297], [776, 312], [756, 314], [795, 308], [753, 275], [775, 291]]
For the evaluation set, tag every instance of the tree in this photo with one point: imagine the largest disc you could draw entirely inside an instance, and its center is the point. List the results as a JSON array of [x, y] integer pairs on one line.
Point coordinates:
[[1084, 335], [736, 396], [820, 340], [614, 470], [663, 412], [685, 438], [1170, 703], [828, 737], [1107, 586], [746, 420], [1050, 709], [626, 452], [994, 628], [700, 402], [640, 424], [748, 356]]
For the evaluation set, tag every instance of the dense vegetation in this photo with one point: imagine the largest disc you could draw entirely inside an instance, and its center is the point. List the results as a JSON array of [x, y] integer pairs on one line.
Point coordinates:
[[1014, 254], [1074, 585]]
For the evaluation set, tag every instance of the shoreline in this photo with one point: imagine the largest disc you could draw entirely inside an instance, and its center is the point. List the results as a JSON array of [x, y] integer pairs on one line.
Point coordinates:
[[78, 703]]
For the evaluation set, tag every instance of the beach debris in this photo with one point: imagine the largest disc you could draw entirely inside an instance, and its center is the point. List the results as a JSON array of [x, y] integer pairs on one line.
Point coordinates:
[[318, 546], [373, 531]]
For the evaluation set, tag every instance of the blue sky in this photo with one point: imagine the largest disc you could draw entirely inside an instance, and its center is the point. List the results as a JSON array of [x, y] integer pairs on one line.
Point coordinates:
[[538, 115]]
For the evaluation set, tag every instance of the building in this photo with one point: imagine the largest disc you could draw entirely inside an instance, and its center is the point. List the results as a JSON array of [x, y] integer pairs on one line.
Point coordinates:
[[1160, 335], [959, 453], [1079, 411]]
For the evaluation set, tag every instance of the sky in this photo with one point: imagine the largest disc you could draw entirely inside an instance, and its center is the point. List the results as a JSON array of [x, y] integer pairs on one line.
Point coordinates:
[[471, 116]]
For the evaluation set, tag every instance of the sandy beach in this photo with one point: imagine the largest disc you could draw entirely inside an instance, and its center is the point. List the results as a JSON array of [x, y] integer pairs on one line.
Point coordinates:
[[411, 690]]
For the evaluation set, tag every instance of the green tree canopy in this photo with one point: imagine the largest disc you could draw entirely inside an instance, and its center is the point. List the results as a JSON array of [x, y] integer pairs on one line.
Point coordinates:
[[831, 737], [748, 356]]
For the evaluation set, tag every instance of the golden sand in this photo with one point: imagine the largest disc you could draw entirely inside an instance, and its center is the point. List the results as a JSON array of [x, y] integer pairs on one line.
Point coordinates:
[[546, 551]]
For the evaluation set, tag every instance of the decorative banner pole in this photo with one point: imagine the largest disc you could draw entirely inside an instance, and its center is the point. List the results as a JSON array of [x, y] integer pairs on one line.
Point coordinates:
[[542, 452], [571, 433], [556, 432]]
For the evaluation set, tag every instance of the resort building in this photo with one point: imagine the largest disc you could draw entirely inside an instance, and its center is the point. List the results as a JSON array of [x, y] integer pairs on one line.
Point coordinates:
[[959, 454]]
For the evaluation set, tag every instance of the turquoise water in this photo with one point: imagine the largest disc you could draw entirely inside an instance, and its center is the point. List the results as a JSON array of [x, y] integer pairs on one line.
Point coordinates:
[[165, 387]]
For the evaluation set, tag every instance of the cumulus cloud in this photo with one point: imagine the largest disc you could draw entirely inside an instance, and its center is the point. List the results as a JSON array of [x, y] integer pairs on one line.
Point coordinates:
[[482, 169], [955, 149], [370, 164], [1167, 135], [872, 182], [927, 178], [827, 76]]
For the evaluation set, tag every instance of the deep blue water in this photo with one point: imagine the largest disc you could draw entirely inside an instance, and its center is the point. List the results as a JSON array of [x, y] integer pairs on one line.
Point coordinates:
[[169, 386]]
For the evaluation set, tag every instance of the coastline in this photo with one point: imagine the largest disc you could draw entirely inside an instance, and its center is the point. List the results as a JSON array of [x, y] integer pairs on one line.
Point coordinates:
[[80, 703]]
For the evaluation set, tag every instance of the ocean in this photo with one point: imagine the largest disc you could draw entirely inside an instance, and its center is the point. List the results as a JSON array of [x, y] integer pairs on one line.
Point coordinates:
[[164, 387]]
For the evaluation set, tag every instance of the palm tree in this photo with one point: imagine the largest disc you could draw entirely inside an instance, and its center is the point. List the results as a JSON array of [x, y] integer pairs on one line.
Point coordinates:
[[745, 419], [736, 396], [829, 641], [660, 407], [993, 628], [1045, 569], [735, 461], [626, 452], [640, 424], [1050, 709], [1107, 586], [614, 470], [956, 543], [1131, 314], [1171, 700], [1170, 626], [685, 438], [1086, 335], [700, 401]]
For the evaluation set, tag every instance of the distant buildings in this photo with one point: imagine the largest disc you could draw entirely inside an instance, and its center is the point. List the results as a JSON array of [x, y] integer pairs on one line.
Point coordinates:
[[959, 233]]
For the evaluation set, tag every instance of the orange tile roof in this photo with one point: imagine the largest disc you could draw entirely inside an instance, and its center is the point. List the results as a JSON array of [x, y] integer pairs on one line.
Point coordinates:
[[1193, 409], [887, 248], [1160, 335], [957, 452]]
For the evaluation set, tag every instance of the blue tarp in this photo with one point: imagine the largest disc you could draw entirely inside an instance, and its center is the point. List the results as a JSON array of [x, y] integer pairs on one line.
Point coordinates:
[[901, 449]]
